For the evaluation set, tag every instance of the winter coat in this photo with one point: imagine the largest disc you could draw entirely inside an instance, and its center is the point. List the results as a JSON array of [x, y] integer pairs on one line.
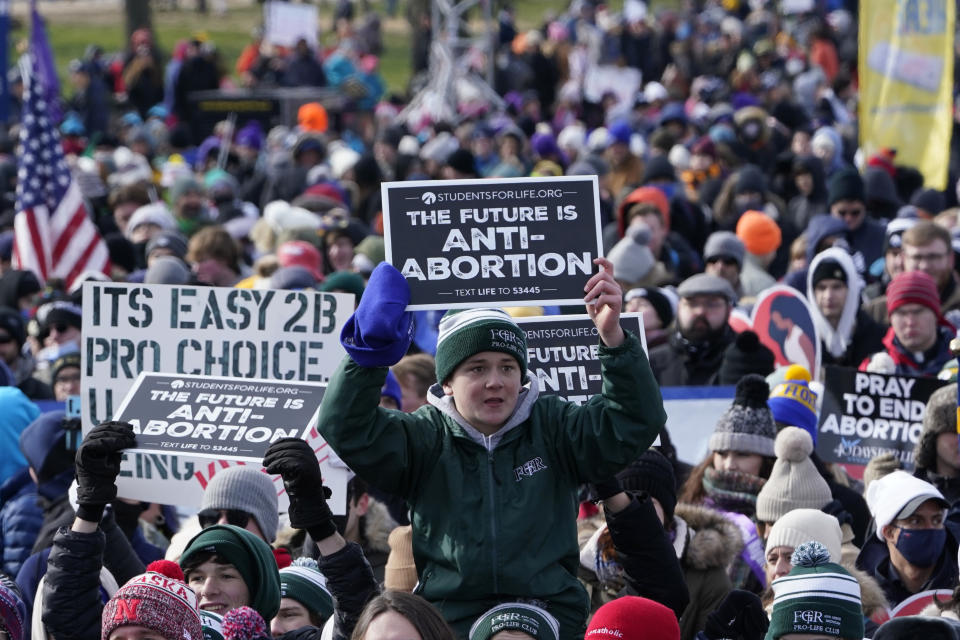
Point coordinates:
[[351, 582], [20, 520], [867, 338], [77, 560], [493, 516], [706, 543], [375, 528], [874, 558], [906, 365], [645, 564], [679, 363]]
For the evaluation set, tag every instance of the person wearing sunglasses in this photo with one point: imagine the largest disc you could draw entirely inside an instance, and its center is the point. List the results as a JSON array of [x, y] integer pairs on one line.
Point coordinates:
[[723, 255], [244, 497], [847, 202]]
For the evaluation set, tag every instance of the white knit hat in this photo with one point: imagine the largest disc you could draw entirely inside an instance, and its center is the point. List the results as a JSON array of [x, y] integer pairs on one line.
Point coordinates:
[[897, 495], [803, 525], [794, 482]]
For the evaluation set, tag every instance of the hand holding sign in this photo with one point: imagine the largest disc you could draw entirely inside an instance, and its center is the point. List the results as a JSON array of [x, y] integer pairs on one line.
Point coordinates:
[[297, 464], [604, 301], [98, 465]]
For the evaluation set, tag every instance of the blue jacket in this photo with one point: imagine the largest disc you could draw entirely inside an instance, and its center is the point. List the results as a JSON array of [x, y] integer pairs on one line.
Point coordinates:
[[20, 520]]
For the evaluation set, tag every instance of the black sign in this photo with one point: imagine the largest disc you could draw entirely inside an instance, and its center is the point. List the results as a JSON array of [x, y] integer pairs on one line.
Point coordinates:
[[493, 243], [865, 415], [223, 418], [562, 353]]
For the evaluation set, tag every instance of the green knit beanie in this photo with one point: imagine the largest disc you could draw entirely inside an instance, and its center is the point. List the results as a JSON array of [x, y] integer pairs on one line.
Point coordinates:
[[817, 597], [464, 333], [516, 616], [344, 281], [303, 582], [251, 556]]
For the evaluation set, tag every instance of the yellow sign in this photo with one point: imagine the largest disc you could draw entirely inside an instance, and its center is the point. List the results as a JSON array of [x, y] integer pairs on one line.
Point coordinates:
[[906, 82]]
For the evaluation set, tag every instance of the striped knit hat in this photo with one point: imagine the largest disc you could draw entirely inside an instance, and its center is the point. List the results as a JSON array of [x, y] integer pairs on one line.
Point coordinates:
[[303, 582], [817, 597], [464, 333], [914, 287]]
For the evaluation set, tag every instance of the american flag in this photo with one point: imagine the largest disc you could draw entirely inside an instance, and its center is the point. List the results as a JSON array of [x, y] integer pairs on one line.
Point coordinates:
[[54, 235]]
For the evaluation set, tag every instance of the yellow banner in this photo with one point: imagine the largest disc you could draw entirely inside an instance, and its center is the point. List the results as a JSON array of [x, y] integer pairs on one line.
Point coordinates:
[[906, 82]]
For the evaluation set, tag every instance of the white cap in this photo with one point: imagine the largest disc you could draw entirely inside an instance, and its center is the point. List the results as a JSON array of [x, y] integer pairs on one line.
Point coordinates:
[[897, 495], [654, 91]]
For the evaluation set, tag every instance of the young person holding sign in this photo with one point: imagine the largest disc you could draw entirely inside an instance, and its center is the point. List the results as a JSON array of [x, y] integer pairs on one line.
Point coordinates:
[[489, 469]]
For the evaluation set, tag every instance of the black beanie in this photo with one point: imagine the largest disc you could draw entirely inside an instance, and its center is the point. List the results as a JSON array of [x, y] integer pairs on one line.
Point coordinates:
[[750, 180], [829, 269], [661, 304], [462, 161], [121, 251], [653, 473], [659, 168], [845, 184], [745, 355], [12, 323], [930, 200]]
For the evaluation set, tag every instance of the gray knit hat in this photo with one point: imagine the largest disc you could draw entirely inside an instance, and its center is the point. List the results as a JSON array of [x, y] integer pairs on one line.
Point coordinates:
[[724, 244], [748, 425], [794, 482], [248, 489], [939, 417]]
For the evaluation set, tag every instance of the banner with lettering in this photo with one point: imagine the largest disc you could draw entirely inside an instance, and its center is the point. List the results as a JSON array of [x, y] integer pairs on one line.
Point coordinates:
[[210, 332], [906, 83], [493, 243]]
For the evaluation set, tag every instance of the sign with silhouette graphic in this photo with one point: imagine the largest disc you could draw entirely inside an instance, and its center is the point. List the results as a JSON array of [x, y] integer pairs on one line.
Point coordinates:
[[493, 243], [865, 415], [783, 320], [222, 418]]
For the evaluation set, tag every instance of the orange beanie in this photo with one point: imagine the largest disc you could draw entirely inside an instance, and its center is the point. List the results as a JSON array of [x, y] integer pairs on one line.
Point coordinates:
[[758, 232]]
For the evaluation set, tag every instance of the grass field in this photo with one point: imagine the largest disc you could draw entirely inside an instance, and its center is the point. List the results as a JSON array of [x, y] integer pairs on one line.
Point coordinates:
[[71, 28]]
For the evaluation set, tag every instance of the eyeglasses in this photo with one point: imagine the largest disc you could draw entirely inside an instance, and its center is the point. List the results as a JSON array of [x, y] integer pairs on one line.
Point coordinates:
[[210, 517], [726, 260], [67, 378], [60, 328], [849, 213]]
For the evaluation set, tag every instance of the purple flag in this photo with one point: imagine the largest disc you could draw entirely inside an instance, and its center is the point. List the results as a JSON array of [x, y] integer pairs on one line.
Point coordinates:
[[45, 71]]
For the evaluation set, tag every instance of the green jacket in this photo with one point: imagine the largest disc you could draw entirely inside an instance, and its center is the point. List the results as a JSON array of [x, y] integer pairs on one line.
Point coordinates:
[[494, 517]]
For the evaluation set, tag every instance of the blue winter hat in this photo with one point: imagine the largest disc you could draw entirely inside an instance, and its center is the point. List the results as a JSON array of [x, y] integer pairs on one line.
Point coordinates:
[[620, 131], [380, 331], [794, 403], [43, 444], [391, 388]]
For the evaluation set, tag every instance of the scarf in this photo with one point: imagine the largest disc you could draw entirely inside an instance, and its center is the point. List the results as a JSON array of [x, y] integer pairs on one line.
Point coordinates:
[[732, 490]]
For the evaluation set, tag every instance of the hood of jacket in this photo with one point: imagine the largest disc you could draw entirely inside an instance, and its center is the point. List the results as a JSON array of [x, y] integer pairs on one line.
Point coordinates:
[[712, 540], [821, 227], [445, 403], [837, 340], [377, 525]]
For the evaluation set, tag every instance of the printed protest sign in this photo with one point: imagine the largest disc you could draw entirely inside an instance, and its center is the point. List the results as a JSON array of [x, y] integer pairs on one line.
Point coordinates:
[[869, 414], [207, 331], [493, 243], [221, 418], [562, 352]]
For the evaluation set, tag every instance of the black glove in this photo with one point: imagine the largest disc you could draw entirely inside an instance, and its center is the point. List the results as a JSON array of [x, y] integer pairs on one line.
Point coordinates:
[[98, 465], [740, 617], [605, 489], [297, 464]]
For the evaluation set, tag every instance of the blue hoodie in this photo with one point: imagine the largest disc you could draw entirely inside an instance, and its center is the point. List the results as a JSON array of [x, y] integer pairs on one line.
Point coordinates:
[[18, 412]]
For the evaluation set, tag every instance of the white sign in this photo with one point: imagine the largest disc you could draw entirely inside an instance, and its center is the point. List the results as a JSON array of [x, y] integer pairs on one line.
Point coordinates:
[[287, 23], [211, 332]]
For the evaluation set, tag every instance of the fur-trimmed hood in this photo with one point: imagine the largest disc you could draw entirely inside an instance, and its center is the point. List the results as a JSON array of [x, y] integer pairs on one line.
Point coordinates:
[[872, 599], [377, 525], [712, 541]]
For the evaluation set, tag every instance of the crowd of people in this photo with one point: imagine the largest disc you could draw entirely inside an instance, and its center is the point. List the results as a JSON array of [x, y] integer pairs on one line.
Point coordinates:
[[724, 137]]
